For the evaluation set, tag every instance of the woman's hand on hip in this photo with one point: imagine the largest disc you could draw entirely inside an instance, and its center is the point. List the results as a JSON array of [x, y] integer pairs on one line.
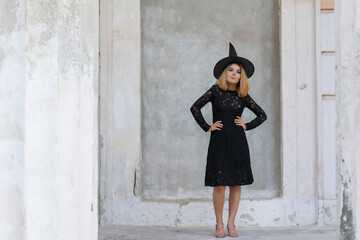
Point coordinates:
[[238, 121], [216, 126]]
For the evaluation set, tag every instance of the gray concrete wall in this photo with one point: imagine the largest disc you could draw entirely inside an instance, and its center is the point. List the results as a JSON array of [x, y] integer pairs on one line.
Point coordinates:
[[181, 42]]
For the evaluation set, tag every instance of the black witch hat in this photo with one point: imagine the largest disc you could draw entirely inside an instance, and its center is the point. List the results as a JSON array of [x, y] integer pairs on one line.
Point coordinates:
[[233, 58]]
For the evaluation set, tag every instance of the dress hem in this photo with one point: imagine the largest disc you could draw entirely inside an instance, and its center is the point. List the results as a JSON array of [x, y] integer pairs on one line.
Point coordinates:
[[241, 184]]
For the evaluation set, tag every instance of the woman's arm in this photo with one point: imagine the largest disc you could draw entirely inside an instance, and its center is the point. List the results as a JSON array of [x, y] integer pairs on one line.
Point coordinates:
[[198, 104], [259, 112]]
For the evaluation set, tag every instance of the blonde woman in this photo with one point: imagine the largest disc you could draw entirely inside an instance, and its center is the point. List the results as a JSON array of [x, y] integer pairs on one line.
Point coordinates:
[[228, 158]]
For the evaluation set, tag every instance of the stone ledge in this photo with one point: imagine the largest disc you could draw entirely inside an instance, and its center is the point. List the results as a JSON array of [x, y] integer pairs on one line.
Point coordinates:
[[131, 232]]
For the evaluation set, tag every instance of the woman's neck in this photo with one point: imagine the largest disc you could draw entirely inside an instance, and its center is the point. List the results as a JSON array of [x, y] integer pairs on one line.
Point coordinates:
[[232, 86]]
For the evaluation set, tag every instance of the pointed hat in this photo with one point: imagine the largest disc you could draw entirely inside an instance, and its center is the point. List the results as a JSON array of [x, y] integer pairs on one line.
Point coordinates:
[[233, 58]]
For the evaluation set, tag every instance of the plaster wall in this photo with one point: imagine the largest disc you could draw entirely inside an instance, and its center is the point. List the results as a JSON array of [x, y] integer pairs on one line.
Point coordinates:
[[61, 113], [49, 118], [327, 116], [347, 108], [12, 111]]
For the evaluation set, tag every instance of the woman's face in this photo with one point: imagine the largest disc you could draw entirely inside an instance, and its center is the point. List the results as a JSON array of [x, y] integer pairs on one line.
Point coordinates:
[[233, 74]]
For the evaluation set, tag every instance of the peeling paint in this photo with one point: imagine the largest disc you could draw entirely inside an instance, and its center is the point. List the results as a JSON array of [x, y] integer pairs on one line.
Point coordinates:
[[346, 220], [327, 211], [303, 86], [182, 204], [177, 220], [292, 217], [101, 212], [247, 216]]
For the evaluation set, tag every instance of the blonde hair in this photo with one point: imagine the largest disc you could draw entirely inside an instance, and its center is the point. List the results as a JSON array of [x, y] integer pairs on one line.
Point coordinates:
[[242, 87]]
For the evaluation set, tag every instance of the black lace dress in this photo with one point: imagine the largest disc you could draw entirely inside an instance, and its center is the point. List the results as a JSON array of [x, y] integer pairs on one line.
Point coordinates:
[[228, 158]]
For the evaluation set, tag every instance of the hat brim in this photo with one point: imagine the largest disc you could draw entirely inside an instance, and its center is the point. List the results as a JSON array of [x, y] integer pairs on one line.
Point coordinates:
[[247, 65]]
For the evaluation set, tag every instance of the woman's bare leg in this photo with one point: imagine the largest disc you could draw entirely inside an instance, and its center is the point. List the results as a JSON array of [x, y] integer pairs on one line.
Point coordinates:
[[218, 200], [234, 199]]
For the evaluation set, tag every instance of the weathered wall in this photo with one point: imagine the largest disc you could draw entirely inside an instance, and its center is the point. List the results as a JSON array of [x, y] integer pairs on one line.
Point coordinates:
[[120, 130], [348, 110], [49, 119], [61, 120], [122, 93], [12, 98], [180, 45], [326, 98]]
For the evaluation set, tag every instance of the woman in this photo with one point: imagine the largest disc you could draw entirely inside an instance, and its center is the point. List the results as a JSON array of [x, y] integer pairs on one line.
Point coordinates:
[[228, 158]]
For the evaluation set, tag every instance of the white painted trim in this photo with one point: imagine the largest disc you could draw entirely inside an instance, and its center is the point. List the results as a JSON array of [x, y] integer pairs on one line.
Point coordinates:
[[319, 168]]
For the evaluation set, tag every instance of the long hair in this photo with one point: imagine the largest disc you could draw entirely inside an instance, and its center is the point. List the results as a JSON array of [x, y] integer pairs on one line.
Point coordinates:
[[242, 87]]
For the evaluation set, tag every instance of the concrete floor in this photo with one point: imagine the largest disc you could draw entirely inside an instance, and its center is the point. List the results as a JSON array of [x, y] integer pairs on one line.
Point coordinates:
[[117, 232]]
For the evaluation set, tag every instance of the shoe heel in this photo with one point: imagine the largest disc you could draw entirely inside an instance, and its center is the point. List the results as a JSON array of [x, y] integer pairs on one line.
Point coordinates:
[[232, 233], [220, 234]]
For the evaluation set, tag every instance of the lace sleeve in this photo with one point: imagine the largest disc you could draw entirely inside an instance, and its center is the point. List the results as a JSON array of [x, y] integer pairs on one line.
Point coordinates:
[[259, 112], [198, 104]]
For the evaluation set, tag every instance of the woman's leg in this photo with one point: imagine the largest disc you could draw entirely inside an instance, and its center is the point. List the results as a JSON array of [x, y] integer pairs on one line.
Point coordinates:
[[218, 200], [234, 199]]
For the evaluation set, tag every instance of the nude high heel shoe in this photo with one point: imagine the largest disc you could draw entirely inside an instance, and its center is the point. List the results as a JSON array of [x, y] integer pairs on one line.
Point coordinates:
[[219, 234], [232, 233]]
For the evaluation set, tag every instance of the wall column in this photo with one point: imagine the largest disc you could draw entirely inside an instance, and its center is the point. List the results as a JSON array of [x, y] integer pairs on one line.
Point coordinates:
[[348, 110], [12, 94], [61, 120]]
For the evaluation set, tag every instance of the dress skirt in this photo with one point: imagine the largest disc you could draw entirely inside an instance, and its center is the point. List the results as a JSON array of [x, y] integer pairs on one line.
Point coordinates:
[[228, 158]]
